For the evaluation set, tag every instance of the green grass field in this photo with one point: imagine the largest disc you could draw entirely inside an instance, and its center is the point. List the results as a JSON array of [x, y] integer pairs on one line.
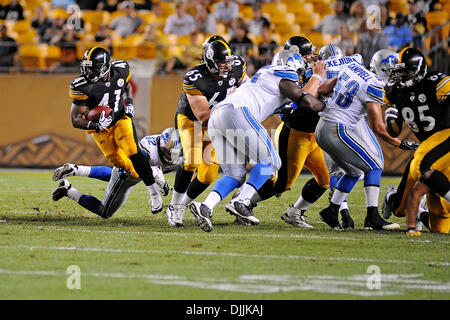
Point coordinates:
[[136, 255]]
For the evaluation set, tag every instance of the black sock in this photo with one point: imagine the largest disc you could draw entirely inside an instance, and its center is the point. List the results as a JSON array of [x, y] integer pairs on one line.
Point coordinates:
[[372, 211], [424, 218], [182, 180], [195, 188], [312, 191], [143, 169]]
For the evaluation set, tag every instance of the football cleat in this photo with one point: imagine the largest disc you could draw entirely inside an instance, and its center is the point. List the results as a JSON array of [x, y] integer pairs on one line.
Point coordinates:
[[66, 170], [175, 214], [347, 221], [61, 190], [202, 215], [375, 222], [386, 209], [296, 217], [422, 212], [330, 217], [157, 203], [241, 209], [164, 190]]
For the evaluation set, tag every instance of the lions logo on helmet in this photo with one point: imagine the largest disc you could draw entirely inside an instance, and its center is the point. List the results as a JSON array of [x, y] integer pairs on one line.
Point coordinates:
[[294, 60], [382, 64]]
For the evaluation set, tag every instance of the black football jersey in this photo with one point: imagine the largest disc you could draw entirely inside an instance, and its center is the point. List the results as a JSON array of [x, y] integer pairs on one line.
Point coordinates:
[[302, 119], [424, 107], [199, 81], [102, 93]]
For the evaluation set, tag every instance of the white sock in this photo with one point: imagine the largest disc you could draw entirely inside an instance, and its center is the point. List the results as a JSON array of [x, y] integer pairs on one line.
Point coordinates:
[[74, 194], [447, 196], [338, 197], [247, 192], [176, 197], [153, 189], [185, 200], [372, 194], [212, 200], [83, 171], [344, 206], [302, 204]]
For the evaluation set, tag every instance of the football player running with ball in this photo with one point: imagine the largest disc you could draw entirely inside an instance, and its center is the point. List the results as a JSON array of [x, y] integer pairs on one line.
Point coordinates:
[[104, 82]]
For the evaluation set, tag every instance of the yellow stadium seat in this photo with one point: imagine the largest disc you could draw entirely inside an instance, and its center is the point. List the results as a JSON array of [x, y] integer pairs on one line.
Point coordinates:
[[167, 8], [94, 18], [399, 6], [147, 50], [246, 12], [31, 56], [58, 13], [52, 55], [184, 40], [301, 10], [28, 37], [308, 22], [437, 18], [323, 9], [22, 26], [319, 39]]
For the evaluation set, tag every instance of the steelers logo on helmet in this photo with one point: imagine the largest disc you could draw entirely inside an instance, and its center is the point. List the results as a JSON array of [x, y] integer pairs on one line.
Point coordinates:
[[218, 59]]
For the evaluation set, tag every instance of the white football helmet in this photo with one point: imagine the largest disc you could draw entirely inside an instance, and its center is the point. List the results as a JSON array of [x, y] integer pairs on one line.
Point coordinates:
[[330, 51], [294, 60], [383, 62]]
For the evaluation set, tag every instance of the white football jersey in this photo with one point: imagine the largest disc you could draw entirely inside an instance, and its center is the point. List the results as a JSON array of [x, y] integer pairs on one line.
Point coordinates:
[[355, 87], [261, 94], [335, 64], [149, 145]]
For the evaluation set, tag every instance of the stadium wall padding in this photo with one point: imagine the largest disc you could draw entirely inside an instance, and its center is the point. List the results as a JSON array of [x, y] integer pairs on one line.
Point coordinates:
[[36, 130]]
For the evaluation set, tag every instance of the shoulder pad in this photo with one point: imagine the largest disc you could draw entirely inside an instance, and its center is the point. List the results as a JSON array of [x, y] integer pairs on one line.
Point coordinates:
[[78, 83]]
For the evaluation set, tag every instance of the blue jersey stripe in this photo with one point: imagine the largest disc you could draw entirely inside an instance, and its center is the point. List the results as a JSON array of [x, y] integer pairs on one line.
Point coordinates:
[[287, 75], [375, 91]]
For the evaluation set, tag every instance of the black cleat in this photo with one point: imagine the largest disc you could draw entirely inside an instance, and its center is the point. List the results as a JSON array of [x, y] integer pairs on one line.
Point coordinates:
[[347, 221], [330, 217], [374, 221], [165, 189], [202, 215], [241, 210], [61, 191]]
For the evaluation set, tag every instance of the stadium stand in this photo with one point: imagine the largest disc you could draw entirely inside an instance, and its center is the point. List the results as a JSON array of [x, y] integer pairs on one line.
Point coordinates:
[[37, 50]]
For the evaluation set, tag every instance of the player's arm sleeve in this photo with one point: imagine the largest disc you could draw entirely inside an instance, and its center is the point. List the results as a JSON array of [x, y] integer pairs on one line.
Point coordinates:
[[443, 89], [374, 93], [286, 74], [79, 98], [189, 87]]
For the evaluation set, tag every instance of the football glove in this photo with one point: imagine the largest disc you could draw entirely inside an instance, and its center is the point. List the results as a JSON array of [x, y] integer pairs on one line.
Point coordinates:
[[391, 114], [104, 122], [288, 109], [408, 145], [129, 108]]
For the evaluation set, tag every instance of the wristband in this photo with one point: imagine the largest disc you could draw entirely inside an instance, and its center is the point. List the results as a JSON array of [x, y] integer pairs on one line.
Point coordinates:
[[315, 75]]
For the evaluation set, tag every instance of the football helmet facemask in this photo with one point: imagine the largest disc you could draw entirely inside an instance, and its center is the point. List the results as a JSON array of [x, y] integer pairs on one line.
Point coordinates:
[[218, 58], [410, 69], [96, 64]]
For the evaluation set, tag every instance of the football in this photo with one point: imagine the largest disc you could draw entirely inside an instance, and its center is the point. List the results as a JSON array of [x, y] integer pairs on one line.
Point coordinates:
[[94, 113]]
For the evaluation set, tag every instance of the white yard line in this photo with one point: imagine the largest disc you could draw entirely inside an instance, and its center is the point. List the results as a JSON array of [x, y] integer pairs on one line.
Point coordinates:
[[177, 234], [390, 284], [224, 254]]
